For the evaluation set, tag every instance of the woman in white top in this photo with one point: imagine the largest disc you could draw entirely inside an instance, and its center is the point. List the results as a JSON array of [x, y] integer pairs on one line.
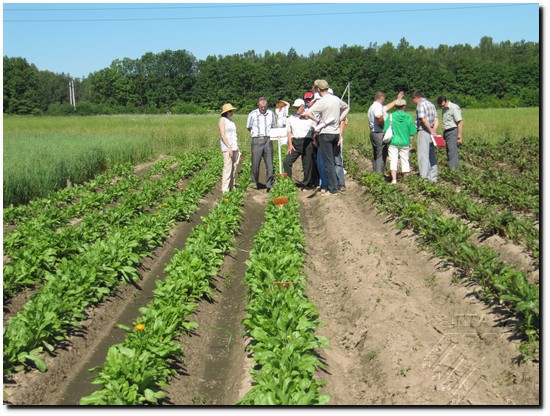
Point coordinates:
[[281, 111], [230, 147]]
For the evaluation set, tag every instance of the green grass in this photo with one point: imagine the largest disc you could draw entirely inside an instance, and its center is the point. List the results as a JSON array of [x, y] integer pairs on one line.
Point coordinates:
[[41, 153], [488, 124]]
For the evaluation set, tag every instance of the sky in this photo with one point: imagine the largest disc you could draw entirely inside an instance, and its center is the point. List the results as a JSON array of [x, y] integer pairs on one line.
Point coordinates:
[[79, 38]]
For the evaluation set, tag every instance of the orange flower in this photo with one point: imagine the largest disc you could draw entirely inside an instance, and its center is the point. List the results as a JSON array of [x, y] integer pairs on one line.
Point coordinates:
[[139, 327], [164, 205]]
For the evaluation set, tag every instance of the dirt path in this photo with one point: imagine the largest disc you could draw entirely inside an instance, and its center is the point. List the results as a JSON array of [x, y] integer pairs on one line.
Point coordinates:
[[402, 330]]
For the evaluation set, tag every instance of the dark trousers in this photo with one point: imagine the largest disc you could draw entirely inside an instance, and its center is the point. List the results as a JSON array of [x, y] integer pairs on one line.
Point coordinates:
[[262, 149], [327, 146], [451, 147], [380, 152], [302, 147]]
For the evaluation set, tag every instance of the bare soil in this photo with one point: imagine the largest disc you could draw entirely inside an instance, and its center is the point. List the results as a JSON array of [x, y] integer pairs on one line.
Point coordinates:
[[403, 329]]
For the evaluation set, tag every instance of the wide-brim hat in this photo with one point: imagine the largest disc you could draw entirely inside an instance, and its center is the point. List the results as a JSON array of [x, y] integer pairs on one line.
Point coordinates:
[[226, 108]]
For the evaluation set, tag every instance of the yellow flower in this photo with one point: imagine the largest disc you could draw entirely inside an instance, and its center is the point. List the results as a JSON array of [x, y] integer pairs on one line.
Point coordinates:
[[139, 327], [225, 200], [164, 205], [288, 337]]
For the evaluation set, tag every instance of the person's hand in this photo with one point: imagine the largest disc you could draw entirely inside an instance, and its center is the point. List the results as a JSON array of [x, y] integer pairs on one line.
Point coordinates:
[[230, 152], [459, 140], [290, 149], [400, 95]]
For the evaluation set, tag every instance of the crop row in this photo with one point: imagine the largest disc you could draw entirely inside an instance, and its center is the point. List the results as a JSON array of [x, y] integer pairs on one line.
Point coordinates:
[[42, 248], [484, 185], [58, 199], [490, 220], [519, 153], [450, 239], [60, 306], [136, 369], [280, 320]]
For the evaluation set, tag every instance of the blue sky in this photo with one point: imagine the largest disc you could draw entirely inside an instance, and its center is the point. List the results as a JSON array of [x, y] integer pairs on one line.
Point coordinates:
[[80, 38]]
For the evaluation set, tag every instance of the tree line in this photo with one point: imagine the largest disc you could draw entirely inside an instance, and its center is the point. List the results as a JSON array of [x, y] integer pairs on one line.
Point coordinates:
[[491, 74]]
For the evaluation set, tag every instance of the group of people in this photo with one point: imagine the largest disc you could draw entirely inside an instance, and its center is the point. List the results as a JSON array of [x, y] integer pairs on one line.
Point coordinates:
[[404, 127], [315, 133]]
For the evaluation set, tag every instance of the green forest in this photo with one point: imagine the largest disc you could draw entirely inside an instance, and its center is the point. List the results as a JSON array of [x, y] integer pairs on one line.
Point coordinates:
[[489, 75]]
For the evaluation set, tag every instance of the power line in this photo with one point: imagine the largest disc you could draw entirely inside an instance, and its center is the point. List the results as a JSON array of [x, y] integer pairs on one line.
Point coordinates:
[[64, 9], [259, 16]]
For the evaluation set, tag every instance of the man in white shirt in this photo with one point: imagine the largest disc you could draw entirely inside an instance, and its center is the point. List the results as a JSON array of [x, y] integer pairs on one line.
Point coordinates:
[[259, 123], [300, 135], [377, 114], [332, 110]]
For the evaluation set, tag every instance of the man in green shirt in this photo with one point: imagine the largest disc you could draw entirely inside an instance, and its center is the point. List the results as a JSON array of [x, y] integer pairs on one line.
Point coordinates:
[[452, 129]]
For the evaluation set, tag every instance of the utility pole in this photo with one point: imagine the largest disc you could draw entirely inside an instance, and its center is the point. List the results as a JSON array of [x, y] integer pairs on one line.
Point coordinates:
[[71, 93]]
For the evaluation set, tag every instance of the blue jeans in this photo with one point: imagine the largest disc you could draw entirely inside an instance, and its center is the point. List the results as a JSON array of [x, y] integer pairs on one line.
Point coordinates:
[[322, 169], [339, 162], [327, 146]]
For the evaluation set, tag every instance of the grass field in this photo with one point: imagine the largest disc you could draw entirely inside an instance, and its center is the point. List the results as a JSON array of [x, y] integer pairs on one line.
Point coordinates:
[[41, 153]]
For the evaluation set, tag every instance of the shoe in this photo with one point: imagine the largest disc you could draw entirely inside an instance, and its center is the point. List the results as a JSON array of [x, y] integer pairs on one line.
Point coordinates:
[[342, 189], [393, 182], [333, 193], [323, 191], [268, 189]]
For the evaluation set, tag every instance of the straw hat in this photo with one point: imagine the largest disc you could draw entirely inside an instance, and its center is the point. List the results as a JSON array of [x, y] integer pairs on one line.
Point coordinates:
[[226, 108]]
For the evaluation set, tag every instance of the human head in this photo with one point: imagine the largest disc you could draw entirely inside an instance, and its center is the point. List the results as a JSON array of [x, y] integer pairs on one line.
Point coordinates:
[[321, 84], [442, 101], [280, 104], [400, 104], [308, 98], [262, 104], [417, 96], [227, 110], [380, 97], [299, 105]]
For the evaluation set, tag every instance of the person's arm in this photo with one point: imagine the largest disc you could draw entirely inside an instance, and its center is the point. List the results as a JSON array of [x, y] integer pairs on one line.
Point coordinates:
[[221, 126], [344, 114], [459, 127], [290, 145], [427, 125], [436, 124]]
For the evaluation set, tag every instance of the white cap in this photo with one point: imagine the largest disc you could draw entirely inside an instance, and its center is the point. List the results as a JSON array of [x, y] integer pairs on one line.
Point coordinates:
[[298, 102], [330, 91]]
